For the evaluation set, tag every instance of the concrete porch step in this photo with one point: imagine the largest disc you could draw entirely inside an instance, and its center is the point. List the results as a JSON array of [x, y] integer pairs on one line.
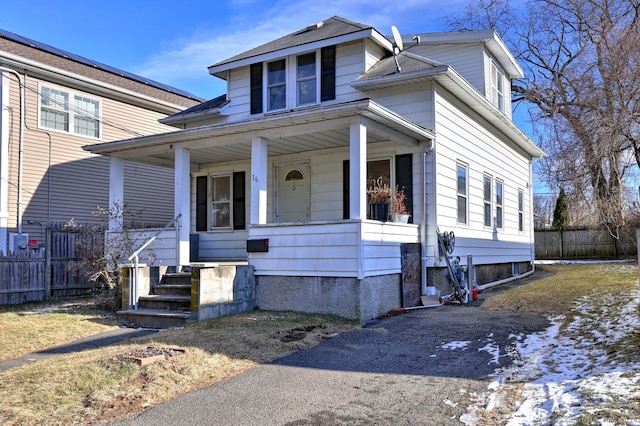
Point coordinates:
[[172, 289], [177, 278], [173, 302], [155, 318]]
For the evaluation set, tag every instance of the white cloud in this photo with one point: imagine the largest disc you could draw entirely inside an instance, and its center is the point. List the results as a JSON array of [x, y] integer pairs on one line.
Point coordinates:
[[184, 64]]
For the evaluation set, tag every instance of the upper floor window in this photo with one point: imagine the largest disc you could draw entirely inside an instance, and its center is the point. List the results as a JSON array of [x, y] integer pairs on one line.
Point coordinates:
[[276, 85], [497, 87], [462, 193], [486, 185], [520, 210], [499, 204], [69, 112], [293, 81], [306, 79]]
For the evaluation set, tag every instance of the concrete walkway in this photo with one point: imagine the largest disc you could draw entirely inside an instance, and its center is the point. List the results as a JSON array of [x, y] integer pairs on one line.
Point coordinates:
[[92, 342]]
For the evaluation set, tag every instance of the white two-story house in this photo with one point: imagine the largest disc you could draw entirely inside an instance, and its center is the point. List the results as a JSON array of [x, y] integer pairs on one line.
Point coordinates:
[[276, 173]]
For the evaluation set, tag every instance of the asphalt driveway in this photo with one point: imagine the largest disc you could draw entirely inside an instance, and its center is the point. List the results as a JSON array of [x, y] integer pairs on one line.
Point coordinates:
[[419, 368]]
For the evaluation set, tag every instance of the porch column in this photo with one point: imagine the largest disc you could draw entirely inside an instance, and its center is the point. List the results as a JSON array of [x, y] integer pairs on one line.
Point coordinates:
[[116, 193], [358, 169], [258, 181], [181, 202]]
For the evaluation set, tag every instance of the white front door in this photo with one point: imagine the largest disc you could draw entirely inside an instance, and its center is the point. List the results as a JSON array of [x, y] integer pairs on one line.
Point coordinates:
[[293, 196]]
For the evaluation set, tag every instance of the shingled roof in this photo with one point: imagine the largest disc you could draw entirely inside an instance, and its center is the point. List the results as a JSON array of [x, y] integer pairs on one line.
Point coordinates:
[[335, 26]]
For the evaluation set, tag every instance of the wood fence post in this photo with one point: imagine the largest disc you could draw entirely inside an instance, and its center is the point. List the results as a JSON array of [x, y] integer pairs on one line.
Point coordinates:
[[47, 263]]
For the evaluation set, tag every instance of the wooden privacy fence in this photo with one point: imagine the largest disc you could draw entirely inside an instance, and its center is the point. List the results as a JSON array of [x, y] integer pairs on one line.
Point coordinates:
[[583, 244], [58, 269]]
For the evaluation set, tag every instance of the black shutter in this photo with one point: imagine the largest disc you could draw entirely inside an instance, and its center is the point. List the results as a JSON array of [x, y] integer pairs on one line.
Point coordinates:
[[346, 208], [201, 203], [256, 88], [328, 73], [404, 180], [239, 201]]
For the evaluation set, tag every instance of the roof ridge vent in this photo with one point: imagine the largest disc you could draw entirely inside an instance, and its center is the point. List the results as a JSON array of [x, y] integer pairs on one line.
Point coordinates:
[[315, 26]]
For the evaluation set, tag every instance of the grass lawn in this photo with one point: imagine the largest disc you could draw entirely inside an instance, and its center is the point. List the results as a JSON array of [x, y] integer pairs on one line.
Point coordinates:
[[100, 385]]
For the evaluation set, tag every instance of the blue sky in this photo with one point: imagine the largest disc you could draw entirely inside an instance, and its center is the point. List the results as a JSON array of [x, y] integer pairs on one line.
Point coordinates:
[[175, 42]]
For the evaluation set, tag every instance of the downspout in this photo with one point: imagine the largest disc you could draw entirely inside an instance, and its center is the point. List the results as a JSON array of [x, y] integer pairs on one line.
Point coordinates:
[[49, 170], [20, 145], [423, 228]]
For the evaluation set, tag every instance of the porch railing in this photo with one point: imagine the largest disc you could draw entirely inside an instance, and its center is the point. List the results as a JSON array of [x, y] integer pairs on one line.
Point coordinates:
[[133, 290]]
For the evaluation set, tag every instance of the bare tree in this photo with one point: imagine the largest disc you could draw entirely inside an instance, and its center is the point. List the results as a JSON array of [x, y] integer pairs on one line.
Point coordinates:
[[582, 69]]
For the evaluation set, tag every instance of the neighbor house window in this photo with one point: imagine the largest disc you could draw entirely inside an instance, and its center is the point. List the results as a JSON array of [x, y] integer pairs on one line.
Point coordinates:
[[499, 204], [486, 185], [462, 190], [220, 202], [497, 87], [520, 210], [69, 112], [312, 77]]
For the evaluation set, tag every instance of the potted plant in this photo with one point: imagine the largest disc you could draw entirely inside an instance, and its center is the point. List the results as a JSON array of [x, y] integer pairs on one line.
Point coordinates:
[[379, 198], [398, 211]]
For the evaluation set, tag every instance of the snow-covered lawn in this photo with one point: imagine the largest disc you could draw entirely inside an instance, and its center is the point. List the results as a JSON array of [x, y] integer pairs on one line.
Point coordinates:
[[584, 369]]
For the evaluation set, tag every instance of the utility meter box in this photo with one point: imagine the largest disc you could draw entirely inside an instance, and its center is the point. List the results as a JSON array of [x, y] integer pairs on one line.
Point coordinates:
[[18, 241]]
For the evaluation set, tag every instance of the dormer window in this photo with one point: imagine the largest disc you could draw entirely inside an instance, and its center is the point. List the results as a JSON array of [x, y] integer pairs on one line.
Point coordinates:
[[306, 79], [303, 75], [277, 85], [497, 87]]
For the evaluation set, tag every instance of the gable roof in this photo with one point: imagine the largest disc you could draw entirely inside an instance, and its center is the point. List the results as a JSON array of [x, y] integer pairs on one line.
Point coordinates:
[[336, 29], [94, 64], [207, 108]]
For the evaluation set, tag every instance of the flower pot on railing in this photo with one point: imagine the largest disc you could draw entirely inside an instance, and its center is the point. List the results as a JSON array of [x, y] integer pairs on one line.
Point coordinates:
[[379, 211]]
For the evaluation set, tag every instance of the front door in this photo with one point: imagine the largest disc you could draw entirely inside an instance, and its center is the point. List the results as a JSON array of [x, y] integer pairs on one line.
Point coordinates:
[[293, 196]]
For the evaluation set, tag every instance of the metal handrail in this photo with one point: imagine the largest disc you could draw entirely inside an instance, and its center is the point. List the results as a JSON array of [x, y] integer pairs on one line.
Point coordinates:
[[133, 293]]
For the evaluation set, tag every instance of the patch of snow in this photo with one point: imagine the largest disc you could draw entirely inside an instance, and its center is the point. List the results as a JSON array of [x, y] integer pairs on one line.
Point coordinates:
[[456, 345], [567, 372]]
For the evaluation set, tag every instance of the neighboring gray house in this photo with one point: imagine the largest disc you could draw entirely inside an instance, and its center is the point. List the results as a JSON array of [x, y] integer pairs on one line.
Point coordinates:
[[276, 173]]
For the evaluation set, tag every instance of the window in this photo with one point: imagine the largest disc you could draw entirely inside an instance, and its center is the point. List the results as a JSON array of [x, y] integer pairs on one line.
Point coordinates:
[[314, 77], [67, 112], [462, 193], [486, 184], [497, 87], [306, 79], [220, 202], [276, 85], [520, 210], [499, 203]]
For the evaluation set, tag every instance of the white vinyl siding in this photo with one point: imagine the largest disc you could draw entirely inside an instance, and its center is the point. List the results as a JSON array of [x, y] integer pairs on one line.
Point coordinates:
[[485, 152]]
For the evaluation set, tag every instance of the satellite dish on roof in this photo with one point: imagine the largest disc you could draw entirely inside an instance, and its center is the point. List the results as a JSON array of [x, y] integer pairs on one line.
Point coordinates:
[[397, 39], [397, 45]]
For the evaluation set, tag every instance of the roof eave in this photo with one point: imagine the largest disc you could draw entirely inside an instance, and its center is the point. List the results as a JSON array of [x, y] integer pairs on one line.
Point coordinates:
[[398, 79], [365, 107], [194, 117], [471, 96]]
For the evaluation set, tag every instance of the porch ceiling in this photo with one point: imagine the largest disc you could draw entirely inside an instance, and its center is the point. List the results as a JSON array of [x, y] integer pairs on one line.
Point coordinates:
[[286, 133]]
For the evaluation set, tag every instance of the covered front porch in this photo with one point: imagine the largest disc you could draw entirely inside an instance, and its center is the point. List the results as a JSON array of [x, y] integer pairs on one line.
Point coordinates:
[[332, 238]]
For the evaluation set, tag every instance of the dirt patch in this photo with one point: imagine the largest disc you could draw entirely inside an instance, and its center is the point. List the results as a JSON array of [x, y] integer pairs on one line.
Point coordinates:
[[299, 333]]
